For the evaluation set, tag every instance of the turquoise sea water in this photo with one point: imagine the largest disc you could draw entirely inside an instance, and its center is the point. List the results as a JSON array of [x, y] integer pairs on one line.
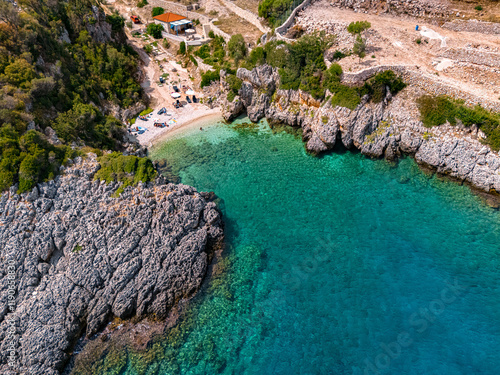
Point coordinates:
[[334, 265]]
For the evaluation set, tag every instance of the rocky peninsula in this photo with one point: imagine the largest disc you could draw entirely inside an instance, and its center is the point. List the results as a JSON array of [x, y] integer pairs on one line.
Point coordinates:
[[387, 129], [74, 256]]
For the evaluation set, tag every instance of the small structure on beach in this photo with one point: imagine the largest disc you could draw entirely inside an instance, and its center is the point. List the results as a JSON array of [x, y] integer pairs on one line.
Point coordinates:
[[174, 23]]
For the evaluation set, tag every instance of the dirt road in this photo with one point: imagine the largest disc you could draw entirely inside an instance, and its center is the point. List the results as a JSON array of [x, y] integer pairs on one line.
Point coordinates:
[[394, 41]]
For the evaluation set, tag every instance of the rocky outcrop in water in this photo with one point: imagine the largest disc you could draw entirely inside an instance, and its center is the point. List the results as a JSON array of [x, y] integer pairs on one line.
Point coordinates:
[[386, 129], [75, 257]]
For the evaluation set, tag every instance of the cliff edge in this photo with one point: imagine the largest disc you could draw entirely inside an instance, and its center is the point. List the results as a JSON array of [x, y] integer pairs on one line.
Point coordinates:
[[73, 257], [389, 129]]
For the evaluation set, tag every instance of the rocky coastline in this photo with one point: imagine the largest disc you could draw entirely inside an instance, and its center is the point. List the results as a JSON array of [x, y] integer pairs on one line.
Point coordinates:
[[76, 256], [387, 129]]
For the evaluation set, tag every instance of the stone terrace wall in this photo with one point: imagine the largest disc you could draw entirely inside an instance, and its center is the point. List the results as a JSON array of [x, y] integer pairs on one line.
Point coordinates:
[[473, 26], [415, 8], [246, 15], [280, 31], [473, 56], [178, 9], [426, 82], [219, 32]]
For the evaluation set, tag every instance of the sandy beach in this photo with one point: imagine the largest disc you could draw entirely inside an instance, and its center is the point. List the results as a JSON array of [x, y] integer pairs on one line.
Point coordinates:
[[189, 115]]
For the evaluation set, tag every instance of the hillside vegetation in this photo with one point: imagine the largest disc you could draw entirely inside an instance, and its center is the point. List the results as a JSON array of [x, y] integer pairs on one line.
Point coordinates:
[[301, 66], [54, 73], [438, 110]]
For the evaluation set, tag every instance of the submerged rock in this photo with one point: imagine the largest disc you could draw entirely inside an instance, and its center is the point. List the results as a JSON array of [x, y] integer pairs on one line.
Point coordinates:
[[78, 257]]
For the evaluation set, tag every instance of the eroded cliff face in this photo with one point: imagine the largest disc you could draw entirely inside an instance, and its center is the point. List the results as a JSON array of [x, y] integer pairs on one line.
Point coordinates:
[[386, 129], [78, 257]]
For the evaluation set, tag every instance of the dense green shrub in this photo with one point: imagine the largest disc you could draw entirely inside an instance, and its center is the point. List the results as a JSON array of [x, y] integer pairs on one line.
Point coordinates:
[[358, 27], [301, 64], [29, 159], [359, 48], [129, 170], [375, 86], [203, 52], [46, 81], [193, 60], [230, 96], [257, 57], [155, 30], [237, 48], [116, 21], [345, 96], [182, 49], [213, 53], [142, 3], [272, 10], [435, 111], [338, 55], [157, 11], [234, 86], [145, 112], [208, 77], [234, 83]]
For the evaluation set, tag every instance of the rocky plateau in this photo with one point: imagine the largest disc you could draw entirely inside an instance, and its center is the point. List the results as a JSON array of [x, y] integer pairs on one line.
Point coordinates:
[[77, 257]]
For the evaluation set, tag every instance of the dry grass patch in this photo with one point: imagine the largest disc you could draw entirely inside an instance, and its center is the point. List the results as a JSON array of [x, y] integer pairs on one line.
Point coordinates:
[[251, 5], [235, 25]]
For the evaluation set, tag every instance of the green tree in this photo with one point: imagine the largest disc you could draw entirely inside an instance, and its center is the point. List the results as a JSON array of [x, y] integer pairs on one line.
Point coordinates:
[[76, 123], [28, 171], [182, 49], [359, 48], [208, 77], [272, 10], [19, 73], [358, 27], [116, 21], [237, 48], [155, 30], [157, 11]]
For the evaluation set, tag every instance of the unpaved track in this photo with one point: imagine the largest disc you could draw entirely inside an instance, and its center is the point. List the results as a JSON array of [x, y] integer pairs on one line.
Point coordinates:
[[392, 41]]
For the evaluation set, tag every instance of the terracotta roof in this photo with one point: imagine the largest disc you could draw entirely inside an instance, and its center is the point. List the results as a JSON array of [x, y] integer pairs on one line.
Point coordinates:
[[169, 17]]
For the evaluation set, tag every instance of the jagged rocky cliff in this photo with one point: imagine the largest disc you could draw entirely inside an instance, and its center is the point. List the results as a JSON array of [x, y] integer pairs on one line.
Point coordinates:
[[386, 129], [76, 257]]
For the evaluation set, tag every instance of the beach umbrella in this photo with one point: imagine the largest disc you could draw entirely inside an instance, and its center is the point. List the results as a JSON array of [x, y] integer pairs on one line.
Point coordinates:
[[190, 92], [175, 95]]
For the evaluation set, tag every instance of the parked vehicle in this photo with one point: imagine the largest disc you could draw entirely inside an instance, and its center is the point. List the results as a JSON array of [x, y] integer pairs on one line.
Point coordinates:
[[162, 80], [188, 99], [162, 111], [176, 89], [178, 103], [135, 19], [195, 100]]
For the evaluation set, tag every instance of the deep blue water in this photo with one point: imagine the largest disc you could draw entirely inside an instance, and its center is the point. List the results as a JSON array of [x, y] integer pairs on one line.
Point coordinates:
[[334, 265]]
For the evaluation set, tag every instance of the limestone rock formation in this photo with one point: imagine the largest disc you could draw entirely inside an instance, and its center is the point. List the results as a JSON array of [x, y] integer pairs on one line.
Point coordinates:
[[78, 256], [386, 129]]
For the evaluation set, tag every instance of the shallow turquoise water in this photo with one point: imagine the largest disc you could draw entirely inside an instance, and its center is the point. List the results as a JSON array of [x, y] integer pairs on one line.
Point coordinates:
[[332, 260]]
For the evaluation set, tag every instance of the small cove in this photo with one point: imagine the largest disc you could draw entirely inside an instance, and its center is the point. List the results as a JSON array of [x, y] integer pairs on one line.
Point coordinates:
[[333, 265]]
